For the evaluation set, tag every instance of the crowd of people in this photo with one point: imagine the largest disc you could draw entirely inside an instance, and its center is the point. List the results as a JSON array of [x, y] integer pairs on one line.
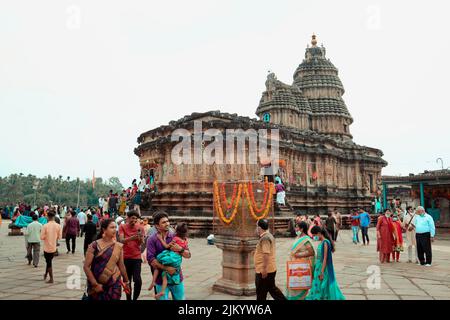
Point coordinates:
[[115, 247], [117, 241], [419, 228], [323, 284], [332, 224]]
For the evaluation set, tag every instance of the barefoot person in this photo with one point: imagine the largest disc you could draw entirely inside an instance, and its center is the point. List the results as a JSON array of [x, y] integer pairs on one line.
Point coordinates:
[[72, 231], [104, 265], [90, 233], [131, 235], [408, 225], [302, 249], [265, 264], [51, 232], [324, 284], [155, 247], [364, 223], [170, 258], [398, 243], [425, 232], [32, 235], [385, 236]]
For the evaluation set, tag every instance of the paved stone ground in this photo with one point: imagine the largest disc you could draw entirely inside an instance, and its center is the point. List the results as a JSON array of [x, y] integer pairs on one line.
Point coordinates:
[[399, 281]]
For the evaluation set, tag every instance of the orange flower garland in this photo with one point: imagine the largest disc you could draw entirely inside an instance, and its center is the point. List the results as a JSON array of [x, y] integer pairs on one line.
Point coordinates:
[[267, 205], [224, 198], [252, 196], [219, 205], [221, 202]]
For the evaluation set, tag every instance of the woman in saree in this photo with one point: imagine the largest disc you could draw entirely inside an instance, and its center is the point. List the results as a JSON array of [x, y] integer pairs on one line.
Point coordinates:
[[281, 194], [16, 215], [302, 249], [324, 284], [385, 236], [104, 265]]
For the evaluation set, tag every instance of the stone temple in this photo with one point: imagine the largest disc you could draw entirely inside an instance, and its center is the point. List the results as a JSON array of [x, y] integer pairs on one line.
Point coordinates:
[[321, 166]]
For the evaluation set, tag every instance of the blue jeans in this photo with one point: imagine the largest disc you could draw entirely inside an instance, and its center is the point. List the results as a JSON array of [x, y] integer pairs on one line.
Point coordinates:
[[355, 230], [177, 291]]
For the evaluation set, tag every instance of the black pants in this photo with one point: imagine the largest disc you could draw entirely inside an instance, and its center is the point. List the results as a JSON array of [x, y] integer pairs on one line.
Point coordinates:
[[267, 285], [332, 234], [81, 229], [133, 267], [365, 235], [423, 241], [48, 259], [113, 212], [68, 238]]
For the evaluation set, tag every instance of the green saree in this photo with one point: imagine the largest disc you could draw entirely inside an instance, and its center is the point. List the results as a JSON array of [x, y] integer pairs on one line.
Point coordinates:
[[328, 288]]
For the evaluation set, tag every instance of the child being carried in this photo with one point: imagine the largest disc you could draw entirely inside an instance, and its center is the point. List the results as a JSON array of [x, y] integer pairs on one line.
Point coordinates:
[[169, 258]]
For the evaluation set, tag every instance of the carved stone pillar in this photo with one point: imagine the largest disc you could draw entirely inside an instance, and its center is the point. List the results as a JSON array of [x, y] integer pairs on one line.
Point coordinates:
[[238, 270]]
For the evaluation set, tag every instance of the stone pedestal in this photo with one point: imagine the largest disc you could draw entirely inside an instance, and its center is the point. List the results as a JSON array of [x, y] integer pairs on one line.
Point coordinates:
[[238, 277]]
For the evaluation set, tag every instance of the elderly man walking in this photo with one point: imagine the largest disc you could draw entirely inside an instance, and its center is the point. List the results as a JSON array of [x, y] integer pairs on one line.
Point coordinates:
[[425, 232]]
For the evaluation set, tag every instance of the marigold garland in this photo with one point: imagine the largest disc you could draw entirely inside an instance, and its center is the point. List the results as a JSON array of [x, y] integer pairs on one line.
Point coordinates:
[[267, 206], [224, 198], [252, 196], [221, 202], [219, 205]]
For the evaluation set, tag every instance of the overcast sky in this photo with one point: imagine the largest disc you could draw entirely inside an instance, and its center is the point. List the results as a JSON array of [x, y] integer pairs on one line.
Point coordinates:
[[80, 80]]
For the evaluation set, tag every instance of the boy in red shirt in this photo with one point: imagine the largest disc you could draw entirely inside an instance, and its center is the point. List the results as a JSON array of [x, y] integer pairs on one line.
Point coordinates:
[[355, 227], [131, 234]]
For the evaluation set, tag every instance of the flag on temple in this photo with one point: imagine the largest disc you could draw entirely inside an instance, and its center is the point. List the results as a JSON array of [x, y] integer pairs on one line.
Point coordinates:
[[93, 179]]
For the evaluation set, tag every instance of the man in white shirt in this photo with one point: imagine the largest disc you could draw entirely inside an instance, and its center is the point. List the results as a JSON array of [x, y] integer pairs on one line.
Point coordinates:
[[100, 203], [63, 212], [408, 224], [33, 240], [82, 217]]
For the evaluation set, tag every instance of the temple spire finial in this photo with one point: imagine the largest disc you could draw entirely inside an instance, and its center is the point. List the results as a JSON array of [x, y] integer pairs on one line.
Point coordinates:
[[314, 40]]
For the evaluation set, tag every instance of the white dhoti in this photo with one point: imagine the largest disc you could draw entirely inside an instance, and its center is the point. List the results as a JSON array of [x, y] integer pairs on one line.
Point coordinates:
[[408, 221], [280, 198]]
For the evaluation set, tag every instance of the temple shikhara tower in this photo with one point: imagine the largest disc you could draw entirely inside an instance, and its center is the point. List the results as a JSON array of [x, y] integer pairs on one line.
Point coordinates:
[[320, 165]]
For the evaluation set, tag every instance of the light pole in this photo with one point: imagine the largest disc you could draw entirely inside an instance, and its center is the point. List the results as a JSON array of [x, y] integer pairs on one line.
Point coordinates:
[[78, 200]]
